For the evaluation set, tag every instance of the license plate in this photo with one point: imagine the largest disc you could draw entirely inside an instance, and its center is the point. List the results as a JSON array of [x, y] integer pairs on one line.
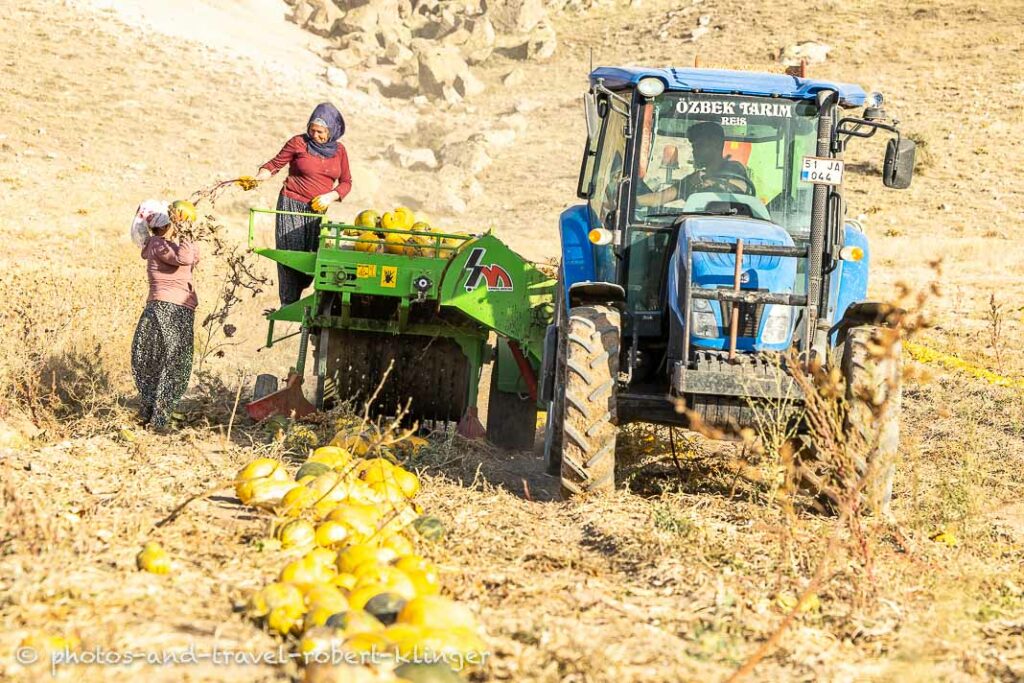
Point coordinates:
[[822, 171]]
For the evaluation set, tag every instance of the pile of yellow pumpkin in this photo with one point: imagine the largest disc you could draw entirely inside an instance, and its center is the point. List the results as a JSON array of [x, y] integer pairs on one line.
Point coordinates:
[[371, 239], [356, 584]]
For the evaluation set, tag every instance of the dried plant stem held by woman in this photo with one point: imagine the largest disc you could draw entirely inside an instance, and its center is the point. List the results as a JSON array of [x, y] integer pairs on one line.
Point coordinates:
[[162, 346], [318, 175]]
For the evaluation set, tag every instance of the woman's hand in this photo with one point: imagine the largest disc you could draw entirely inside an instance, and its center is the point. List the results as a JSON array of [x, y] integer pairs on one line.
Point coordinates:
[[321, 203]]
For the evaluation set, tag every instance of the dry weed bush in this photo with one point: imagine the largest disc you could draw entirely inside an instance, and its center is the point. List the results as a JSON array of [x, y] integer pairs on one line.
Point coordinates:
[[24, 525], [796, 448], [67, 336]]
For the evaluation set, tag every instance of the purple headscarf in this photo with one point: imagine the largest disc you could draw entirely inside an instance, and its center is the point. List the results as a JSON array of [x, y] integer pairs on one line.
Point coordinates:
[[326, 114]]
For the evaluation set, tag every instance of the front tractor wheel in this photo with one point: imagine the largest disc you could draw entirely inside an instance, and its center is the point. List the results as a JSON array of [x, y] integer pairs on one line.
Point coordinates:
[[871, 368], [587, 397], [873, 372]]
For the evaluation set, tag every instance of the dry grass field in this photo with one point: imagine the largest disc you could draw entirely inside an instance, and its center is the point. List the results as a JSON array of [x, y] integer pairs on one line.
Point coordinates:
[[689, 568]]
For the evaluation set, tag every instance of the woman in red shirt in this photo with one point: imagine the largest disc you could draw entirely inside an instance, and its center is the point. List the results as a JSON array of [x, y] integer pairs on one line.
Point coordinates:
[[318, 174]]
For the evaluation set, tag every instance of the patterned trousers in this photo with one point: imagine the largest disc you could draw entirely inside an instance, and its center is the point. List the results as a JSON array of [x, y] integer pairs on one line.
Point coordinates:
[[296, 233], [162, 358]]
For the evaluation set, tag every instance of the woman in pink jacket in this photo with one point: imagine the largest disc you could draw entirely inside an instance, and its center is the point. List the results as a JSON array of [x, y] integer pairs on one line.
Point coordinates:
[[162, 347]]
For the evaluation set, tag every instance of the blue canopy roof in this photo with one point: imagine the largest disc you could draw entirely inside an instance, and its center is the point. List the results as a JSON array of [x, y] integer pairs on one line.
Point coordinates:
[[731, 82]]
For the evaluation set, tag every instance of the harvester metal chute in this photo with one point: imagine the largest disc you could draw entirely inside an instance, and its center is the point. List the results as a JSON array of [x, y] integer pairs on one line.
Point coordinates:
[[408, 331]]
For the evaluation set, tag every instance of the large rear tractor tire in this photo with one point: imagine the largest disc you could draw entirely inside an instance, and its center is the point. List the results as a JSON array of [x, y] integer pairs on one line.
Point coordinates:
[[511, 417], [589, 378]]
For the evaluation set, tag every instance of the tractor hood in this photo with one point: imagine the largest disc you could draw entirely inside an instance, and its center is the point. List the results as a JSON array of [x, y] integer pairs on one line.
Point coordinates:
[[774, 274], [768, 273]]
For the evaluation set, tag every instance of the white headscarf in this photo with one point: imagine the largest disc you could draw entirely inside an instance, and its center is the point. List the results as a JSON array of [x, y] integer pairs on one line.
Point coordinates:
[[151, 214]]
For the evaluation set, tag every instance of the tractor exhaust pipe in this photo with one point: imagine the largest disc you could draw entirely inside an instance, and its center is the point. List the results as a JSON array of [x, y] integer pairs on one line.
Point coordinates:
[[816, 251]]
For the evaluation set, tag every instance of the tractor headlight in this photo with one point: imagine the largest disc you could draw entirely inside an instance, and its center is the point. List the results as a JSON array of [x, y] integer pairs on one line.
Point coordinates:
[[777, 325], [703, 324], [650, 86]]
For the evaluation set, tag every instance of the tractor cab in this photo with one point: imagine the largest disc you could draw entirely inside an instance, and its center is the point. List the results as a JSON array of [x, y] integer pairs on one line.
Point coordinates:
[[714, 228]]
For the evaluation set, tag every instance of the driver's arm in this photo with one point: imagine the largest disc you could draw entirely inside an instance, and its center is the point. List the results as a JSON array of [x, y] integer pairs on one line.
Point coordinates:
[[659, 198], [680, 189]]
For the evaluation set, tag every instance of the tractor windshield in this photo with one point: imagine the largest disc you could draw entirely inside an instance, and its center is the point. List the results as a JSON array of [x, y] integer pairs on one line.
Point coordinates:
[[725, 154]]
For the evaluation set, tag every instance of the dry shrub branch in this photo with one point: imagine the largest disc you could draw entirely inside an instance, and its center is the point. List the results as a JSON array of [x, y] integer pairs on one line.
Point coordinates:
[[240, 279], [830, 453]]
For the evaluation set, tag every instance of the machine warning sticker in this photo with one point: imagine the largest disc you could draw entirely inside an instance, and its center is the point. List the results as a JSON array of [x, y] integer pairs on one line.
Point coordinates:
[[389, 276], [366, 270], [822, 171], [495, 277]]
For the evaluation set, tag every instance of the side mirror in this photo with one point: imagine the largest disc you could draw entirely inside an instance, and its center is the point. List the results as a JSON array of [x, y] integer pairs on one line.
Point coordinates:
[[899, 163]]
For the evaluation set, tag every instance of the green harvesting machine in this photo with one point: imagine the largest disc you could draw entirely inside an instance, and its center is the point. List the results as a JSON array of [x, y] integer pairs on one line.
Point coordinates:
[[402, 319]]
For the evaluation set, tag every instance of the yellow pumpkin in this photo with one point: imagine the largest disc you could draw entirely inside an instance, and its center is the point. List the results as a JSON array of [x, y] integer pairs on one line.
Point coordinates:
[[265, 492], [400, 544], [331, 534], [355, 621], [437, 612], [395, 580], [324, 557], [423, 574], [394, 243], [370, 644], [390, 491], [284, 619], [367, 218], [277, 594], [356, 443], [297, 533], [318, 639], [344, 581], [353, 556], [296, 500], [360, 595], [261, 468], [332, 456], [405, 217], [367, 242], [407, 481], [325, 595], [153, 559]]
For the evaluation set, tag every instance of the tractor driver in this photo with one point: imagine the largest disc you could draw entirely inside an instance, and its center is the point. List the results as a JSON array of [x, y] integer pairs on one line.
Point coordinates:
[[713, 172]]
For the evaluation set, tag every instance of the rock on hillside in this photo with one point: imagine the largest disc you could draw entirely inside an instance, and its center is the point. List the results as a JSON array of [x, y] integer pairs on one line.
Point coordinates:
[[405, 48]]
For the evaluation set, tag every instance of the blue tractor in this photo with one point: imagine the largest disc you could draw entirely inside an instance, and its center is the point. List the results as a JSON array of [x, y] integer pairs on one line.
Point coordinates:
[[713, 238]]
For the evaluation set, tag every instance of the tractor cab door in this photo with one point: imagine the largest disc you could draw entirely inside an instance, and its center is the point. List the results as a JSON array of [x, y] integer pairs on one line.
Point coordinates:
[[647, 248], [608, 187]]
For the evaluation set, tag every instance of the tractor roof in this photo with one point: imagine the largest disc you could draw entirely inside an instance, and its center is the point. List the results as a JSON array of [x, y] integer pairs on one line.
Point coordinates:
[[732, 82]]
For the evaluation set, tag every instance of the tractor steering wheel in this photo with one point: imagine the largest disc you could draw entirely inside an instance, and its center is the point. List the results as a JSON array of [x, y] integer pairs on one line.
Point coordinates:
[[723, 180]]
